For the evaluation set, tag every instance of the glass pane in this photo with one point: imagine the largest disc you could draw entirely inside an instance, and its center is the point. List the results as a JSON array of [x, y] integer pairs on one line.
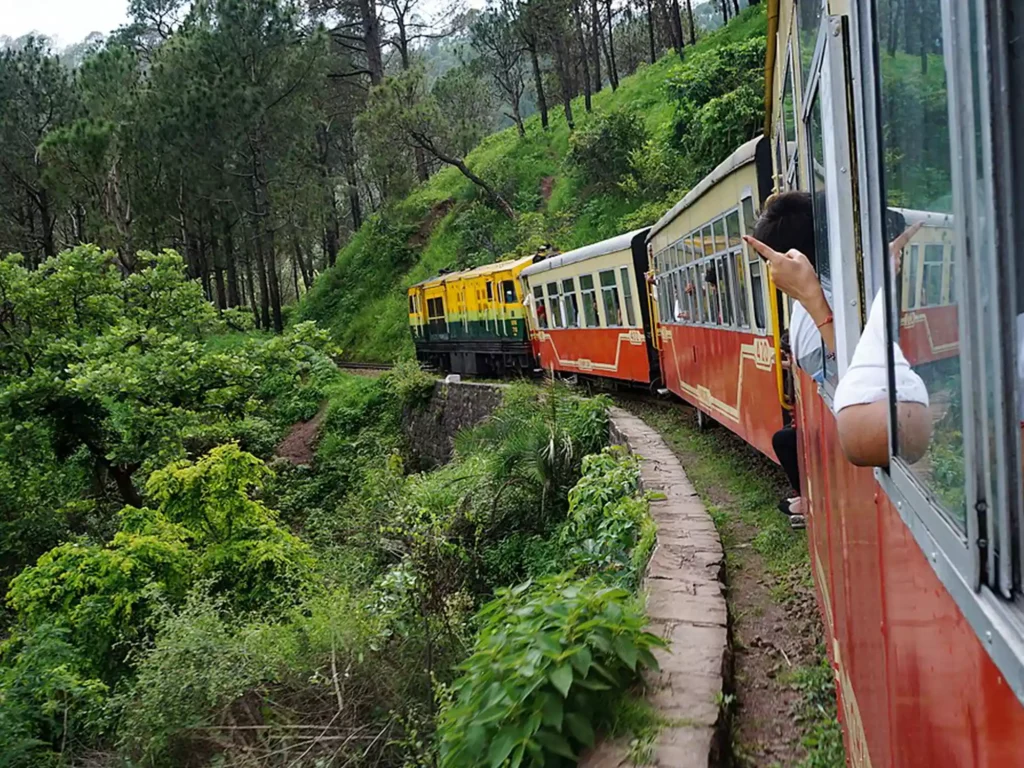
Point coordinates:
[[702, 299], [719, 227], [931, 282], [509, 289], [742, 318], [757, 292], [627, 296], [809, 21], [821, 256], [918, 182], [789, 126], [732, 226], [607, 278], [612, 308], [709, 245], [590, 308], [725, 288], [586, 282], [698, 245], [711, 287]]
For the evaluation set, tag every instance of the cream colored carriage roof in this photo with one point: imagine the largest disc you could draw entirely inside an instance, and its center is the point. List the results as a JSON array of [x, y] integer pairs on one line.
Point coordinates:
[[741, 156], [592, 251]]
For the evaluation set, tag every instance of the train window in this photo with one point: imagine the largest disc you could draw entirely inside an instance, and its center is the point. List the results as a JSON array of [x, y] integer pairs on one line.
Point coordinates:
[[627, 296], [490, 291], [742, 313], [570, 308], [809, 22], [538, 307], [724, 288], [732, 228], [664, 302], [931, 274], [713, 315], [709, 244], [719, 229], [589, 297], [698, 245], [690, 296], [508, 289], [791, 169], [412, 306], [819, 207], [610, 298], [918, 175], [555, 306]]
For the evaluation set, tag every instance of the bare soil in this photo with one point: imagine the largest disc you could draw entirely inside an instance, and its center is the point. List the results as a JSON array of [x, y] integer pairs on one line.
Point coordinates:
[[299, 445]]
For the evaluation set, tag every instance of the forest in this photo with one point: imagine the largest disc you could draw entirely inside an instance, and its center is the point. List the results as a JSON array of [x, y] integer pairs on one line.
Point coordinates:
[[201, 213]]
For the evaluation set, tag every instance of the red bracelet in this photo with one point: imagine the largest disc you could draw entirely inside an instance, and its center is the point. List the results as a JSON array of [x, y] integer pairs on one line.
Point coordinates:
[[826, 321]]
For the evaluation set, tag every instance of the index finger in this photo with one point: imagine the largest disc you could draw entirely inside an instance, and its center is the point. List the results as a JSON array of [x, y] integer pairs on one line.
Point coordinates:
[[766, 252]]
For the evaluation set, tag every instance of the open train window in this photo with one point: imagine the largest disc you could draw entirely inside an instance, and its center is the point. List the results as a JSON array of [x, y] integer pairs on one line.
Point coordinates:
[[589, 298], [554, 306], [757, 281], [508, 290], [490, 291], [540, 311]]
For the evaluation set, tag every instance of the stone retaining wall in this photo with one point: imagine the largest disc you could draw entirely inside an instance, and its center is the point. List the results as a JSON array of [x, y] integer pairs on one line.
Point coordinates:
[[453, 407], [686, 605]]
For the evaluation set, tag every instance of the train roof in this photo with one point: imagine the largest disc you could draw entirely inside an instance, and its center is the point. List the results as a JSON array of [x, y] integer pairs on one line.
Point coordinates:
[[592, 251], [486, 269], [743, 155]]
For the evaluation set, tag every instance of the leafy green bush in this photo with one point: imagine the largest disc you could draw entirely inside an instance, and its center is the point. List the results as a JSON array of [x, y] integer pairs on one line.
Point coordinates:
[[547, 666], [609, 528], [600, 150]]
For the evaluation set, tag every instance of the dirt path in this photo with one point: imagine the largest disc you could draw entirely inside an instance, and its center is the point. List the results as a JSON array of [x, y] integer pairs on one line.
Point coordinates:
[[779, 680], [299, 445]]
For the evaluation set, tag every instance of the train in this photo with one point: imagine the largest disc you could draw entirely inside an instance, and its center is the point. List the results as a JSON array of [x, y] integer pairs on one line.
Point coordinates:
[[918, 564]]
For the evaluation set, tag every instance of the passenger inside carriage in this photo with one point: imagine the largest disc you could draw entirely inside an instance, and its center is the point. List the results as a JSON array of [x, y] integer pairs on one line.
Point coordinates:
[[861, 400], [787, 224]]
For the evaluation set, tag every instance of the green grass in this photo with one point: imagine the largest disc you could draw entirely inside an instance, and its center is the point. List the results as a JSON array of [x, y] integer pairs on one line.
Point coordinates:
[[361, 300]]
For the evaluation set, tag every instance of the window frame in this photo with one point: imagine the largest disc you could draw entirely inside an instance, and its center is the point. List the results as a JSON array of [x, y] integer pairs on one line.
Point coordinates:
[[592, 291], [570, 294], [618, 297], [997, 621], [625, 278]]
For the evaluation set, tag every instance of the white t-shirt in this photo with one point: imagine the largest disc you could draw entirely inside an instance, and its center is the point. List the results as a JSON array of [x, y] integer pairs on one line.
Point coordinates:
[[805, 341], [867, 379]]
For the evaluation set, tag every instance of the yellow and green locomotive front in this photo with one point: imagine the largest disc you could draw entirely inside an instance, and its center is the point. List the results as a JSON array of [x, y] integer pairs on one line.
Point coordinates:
[[472, 322]]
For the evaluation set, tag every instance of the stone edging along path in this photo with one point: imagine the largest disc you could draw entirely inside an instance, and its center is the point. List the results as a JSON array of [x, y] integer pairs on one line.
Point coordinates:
[[686, 605]]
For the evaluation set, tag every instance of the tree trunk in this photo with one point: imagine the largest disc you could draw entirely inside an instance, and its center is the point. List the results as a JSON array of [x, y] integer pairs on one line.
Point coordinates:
[[597, 38], [47, 222], [307, 278], [500, 202], [650, 31], [123, 479], [229, 254], [735, 8], [517, 117], [273, 276], [693, 27], [371, 37], [609, 50], [582, 42], [251, 288], [295, 275], [538, 86], [677, 27]]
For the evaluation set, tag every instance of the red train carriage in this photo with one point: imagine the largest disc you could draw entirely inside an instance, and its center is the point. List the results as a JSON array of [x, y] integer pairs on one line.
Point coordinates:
[[714, 324], [918, 564], [589, 314]]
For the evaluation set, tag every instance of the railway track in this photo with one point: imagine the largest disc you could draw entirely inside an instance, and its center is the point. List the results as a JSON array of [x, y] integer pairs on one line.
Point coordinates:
[[354, 366]]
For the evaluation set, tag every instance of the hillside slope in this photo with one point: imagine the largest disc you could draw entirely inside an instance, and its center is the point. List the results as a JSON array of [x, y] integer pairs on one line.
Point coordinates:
[[681, 117]]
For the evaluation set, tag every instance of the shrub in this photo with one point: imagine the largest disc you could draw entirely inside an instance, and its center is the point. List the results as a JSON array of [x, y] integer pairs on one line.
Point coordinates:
[[548, 665], [600, 150]]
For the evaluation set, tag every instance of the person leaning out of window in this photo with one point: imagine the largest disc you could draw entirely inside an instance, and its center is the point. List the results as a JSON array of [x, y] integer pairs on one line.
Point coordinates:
[[861, 401]]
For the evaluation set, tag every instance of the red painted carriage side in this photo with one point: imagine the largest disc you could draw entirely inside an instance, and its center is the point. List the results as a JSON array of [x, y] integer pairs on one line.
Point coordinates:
[[916, 685], [730, 375], [613, 353], [929, 334]]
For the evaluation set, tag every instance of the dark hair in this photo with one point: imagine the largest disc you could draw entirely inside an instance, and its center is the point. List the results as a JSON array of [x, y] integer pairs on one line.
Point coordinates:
[[787, 221]]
